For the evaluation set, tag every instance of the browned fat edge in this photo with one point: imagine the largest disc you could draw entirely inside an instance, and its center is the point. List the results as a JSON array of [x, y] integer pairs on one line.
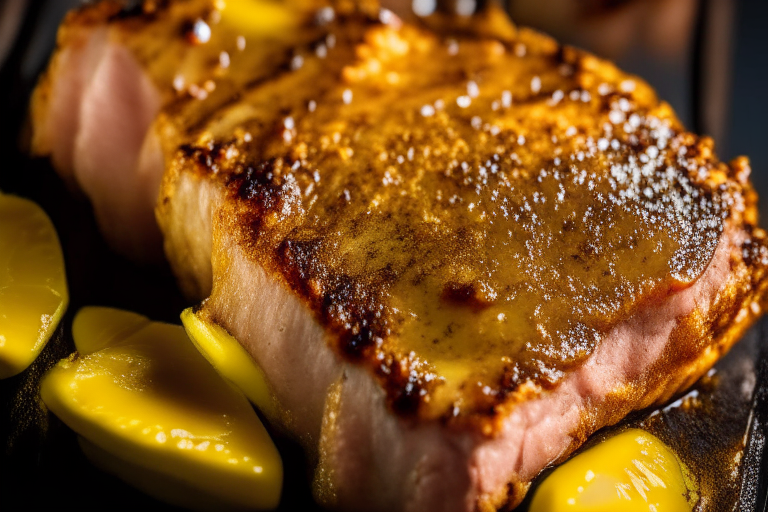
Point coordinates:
[[106, 11], [140, 8]]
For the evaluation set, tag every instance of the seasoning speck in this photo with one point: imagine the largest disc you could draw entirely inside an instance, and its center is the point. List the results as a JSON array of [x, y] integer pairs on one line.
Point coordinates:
[[297, 62], [388, 17], [178, 83], [453, 47], [506, 99], [200, 33], [325, 15], [535, 84], [224, 60], [463, 101], [465, 7], [472, 89], [423, 7], [627, 86], [616, 116], [197, 92]]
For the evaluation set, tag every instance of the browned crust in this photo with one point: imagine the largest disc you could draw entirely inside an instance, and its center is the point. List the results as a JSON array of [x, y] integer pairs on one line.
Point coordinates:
[[112, 11], [351, 308]]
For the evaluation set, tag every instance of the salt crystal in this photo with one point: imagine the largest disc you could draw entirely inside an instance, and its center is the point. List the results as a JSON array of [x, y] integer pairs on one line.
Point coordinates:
[[472, 89], [506, 99], [535, 84]]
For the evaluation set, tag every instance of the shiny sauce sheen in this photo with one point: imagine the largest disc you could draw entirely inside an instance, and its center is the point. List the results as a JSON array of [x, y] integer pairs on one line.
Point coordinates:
[[469, 215]]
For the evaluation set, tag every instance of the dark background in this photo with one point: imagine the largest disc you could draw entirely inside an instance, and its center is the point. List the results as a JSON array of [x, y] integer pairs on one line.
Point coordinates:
[[708, 59]]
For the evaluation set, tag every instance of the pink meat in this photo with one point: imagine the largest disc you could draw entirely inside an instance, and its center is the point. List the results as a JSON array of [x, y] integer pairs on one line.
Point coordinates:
[[96, 132]]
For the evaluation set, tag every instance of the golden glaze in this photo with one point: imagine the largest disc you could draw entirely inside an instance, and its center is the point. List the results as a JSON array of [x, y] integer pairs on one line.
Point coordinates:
[[467, 214]]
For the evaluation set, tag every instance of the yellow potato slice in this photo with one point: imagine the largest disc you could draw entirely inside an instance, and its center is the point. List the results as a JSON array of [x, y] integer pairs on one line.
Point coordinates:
[[630, 472], [262, 17], [33, 285], [230, 359], [154, 412]]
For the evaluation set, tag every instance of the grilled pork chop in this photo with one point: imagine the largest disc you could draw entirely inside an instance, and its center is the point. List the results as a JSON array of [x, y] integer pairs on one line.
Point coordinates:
[[456, 249]]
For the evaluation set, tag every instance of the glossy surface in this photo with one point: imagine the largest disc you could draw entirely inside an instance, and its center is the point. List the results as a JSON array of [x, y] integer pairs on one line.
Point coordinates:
[[33, 286], [462, 215], [147, 398], [631, 472], [467, 215], [230, 359]]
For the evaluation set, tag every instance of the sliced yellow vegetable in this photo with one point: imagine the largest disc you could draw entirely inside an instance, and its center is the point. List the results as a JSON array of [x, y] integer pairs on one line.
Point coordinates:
[[33, 285], [96, 328], [230, 359], [264, 17], [155, 413], [631, 472]]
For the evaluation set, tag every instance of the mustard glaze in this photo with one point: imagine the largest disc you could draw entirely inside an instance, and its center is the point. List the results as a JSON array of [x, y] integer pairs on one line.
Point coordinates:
[[477, 222], [468, 211]]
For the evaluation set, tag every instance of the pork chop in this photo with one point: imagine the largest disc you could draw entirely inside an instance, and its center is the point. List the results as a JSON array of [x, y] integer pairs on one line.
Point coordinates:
[[456, 249]]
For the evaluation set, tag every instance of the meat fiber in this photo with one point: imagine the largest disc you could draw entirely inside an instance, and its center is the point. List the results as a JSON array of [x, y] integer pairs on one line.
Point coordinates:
[[456, 249]]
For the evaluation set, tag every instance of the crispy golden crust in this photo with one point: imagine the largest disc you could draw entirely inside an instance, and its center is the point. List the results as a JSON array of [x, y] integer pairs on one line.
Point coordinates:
[[468, 209], [469, 216]]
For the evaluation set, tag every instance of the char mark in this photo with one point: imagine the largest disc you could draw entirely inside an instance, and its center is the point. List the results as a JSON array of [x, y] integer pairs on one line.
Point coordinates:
[[146, 9], [354, 309]]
